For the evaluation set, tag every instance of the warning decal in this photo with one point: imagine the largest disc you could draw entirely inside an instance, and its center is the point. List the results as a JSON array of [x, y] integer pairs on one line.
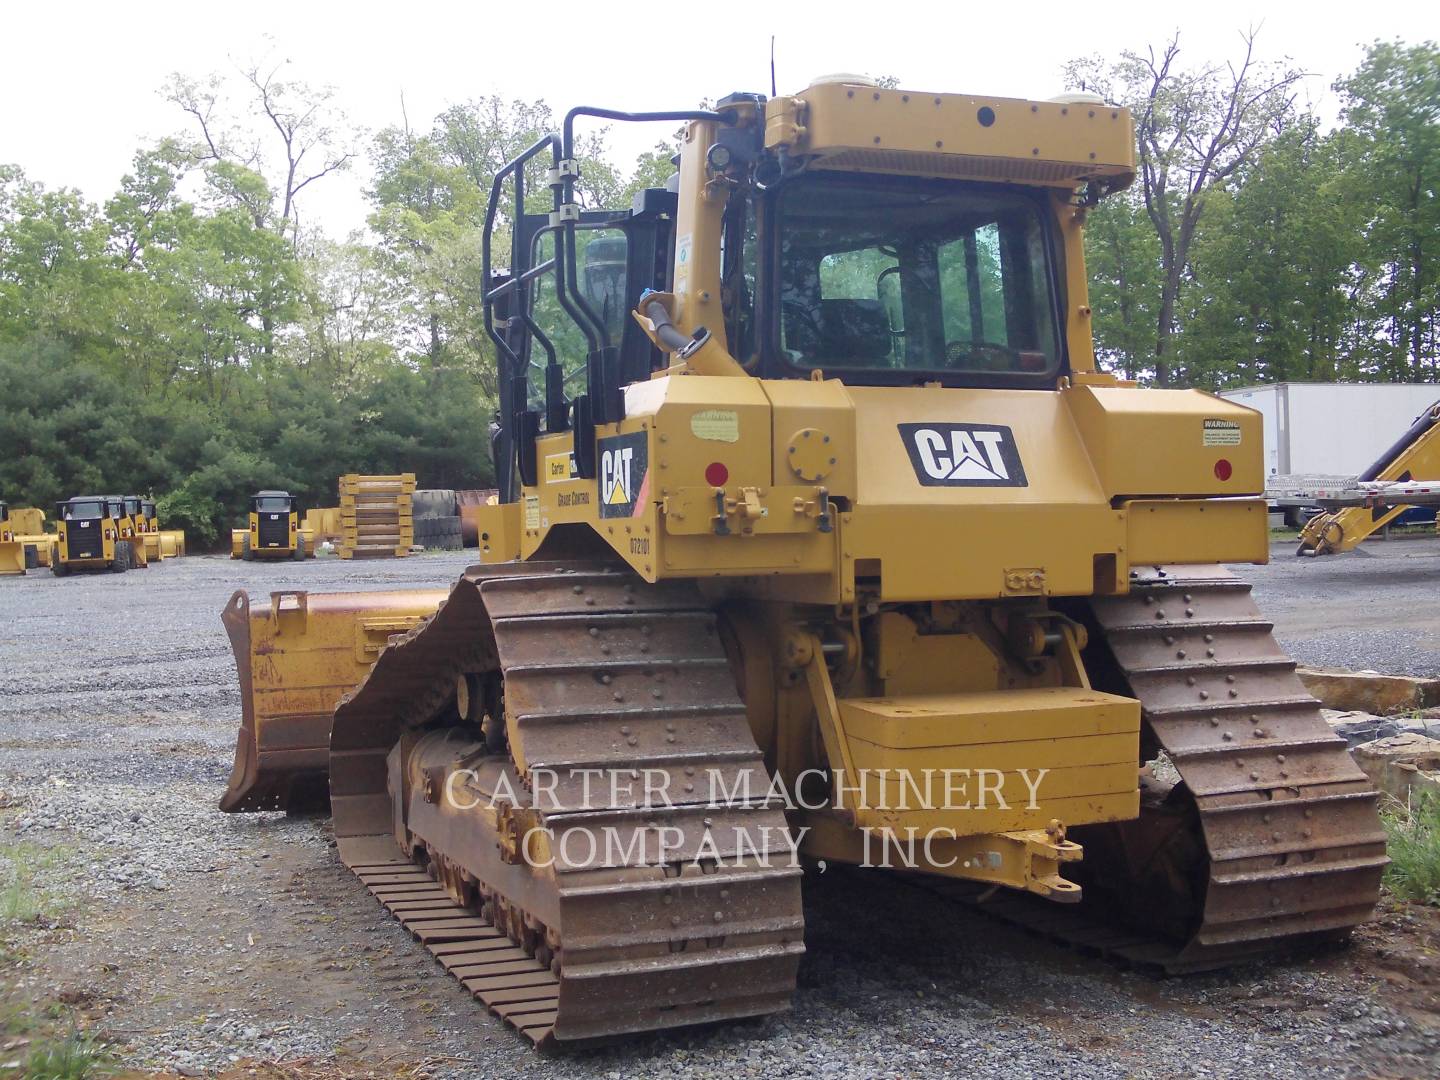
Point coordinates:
[[1222, 433]]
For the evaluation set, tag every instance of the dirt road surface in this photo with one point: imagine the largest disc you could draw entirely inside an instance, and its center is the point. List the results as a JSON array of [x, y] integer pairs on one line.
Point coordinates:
[[204, 944]]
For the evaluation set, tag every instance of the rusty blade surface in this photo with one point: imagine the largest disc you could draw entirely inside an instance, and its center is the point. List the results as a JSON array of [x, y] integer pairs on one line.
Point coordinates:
[[296, 654]]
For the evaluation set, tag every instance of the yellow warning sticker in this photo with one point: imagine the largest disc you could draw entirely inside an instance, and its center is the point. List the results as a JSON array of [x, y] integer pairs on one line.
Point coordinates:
[[716, 425], [532, 511], [1222, 433]]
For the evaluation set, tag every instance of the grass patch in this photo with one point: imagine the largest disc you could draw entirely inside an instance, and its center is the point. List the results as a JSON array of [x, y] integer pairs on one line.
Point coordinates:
[[1413, 832], [23, 896], [76, 1055], [39, 1040]]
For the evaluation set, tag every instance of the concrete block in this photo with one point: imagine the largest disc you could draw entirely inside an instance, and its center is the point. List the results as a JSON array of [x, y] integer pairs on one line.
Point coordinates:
[[1401, 764]]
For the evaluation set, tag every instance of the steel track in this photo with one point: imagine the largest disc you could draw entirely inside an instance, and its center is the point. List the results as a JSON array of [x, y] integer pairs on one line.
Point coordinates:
[[600, 671], [1285, 825]]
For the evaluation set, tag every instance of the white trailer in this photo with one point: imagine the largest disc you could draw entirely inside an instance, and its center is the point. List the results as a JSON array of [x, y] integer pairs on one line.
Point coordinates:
[[1332, 429]]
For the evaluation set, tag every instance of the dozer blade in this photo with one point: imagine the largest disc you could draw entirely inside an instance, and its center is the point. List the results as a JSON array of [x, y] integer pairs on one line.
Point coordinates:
[[12, 557], [296, 655]]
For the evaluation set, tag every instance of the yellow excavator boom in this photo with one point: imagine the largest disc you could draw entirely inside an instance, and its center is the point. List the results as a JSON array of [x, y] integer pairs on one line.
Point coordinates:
[[1414, 456]]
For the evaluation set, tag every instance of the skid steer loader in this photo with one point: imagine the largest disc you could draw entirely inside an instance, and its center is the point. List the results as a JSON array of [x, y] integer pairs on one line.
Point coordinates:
[[819, 537], [272, 530], [89, 536]]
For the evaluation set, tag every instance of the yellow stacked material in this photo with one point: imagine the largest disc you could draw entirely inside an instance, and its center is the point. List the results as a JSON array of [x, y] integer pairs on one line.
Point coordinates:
[[376, 515]]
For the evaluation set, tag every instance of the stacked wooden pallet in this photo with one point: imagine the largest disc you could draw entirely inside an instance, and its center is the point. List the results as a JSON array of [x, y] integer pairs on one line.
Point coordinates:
[[376, 516]]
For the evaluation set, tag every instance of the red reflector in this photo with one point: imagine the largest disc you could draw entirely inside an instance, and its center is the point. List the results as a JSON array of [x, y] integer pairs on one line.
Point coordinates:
[[716, 474], [1223, 469]]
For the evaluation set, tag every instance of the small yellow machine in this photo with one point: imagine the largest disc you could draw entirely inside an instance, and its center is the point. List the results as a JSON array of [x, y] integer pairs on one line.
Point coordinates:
[[12, 552], [132, 527], [159, 543], [89, 536], [273, 530], [27, 528], [820, 537]]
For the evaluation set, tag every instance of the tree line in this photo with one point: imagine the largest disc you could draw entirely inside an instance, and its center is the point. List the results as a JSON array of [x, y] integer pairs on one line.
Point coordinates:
[[195, 337], [1259, 245], [192, 337]]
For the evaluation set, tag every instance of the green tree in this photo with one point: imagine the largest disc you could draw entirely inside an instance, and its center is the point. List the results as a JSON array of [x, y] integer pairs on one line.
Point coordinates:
[[1392, 104], [1122, 255], [1277, 264], [1196, 130], [428, 212], [53, 266]]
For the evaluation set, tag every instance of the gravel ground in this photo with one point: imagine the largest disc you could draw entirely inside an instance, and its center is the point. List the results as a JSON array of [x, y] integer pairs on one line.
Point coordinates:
[[196, 940], [1365, 609]]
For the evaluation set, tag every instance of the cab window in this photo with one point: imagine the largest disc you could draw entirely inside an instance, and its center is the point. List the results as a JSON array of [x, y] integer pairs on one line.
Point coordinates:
[[899, 276]]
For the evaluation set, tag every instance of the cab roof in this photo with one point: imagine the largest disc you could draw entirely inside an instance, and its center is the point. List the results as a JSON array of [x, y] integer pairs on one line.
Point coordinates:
[[854, 125]]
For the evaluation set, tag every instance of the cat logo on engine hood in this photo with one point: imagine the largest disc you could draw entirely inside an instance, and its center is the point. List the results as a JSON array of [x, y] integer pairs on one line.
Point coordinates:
[[963, 455]]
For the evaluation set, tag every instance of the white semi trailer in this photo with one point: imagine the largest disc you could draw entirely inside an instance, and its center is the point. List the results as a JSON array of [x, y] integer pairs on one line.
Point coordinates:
[[1332, 429]]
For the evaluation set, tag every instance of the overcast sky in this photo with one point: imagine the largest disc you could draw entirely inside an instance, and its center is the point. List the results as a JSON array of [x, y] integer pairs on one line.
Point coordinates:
[[79, 81]]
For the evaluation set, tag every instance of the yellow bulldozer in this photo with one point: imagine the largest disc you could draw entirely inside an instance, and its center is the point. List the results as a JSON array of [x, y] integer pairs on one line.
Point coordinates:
[[93, 532], [819, 539]]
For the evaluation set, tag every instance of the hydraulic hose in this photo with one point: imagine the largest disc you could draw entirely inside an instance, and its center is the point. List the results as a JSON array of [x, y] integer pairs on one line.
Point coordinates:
[[1422, 423], [670, 336]]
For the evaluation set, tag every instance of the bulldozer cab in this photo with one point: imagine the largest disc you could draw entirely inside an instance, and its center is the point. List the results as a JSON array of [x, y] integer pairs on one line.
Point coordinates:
[[131, 507], [84, 508], [119, 511], [790, 252], [893, 280], [143, 513], [271, 502]]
